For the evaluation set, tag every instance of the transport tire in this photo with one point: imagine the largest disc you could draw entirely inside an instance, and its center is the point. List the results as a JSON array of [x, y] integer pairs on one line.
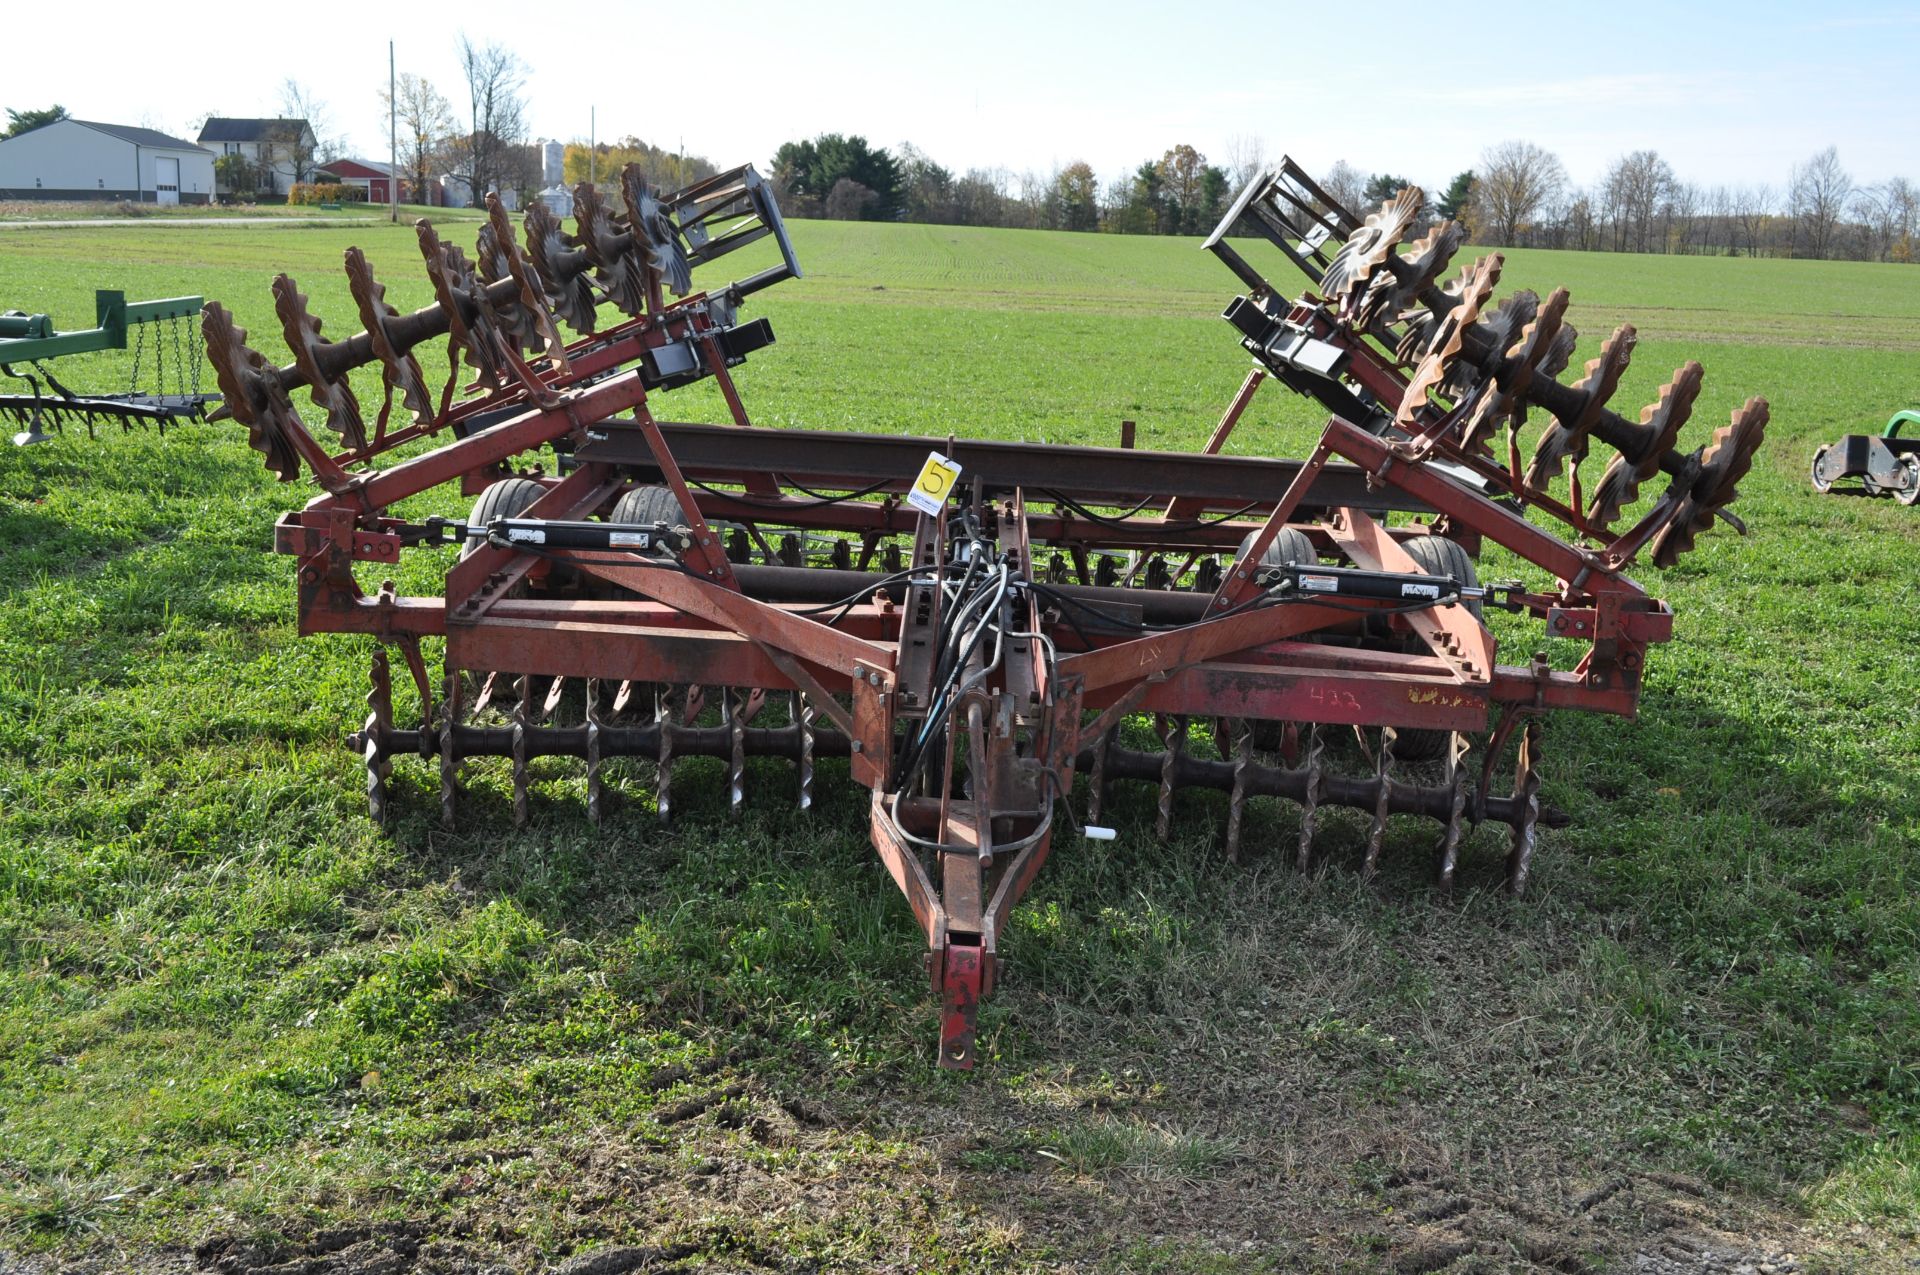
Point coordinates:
[[507, 498], [1290, 546], [1436, 555], [644, 506]]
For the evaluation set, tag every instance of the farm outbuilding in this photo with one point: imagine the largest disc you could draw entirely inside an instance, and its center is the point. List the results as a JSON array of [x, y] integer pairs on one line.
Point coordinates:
[[81, 159], [370, 176]]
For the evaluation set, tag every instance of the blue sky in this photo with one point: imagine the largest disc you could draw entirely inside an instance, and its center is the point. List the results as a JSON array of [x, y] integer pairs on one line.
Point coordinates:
[[1726, 92]]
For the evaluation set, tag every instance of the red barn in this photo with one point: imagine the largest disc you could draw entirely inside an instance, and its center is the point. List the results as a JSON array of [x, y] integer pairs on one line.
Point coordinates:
[[369, 175]]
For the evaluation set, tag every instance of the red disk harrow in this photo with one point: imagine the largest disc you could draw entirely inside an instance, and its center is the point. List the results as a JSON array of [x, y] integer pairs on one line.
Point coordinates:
[[969, 623]]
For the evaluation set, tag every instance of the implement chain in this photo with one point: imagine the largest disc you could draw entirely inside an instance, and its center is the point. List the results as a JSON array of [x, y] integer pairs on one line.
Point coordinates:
[[179, 357], [139, 356], [197, 344]]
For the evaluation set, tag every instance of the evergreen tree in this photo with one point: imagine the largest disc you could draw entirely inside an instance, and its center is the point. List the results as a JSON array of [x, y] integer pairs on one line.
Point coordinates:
[[19, 122], [813, 169], [1459, 197]]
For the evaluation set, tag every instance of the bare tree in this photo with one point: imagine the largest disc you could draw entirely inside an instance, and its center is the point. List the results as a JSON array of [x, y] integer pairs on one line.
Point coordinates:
[[1030, 206], [1348, 186], [1752, 210], [1581, 232], [1639, 187], [926, 188], [1517, 179], [496, 114], [849, 200], [1816, 199], [1681, 213], [302, 150], [1884, 217], [1905, 198], [1246, 159], [1719, 217], [426, 120], [980, 197]]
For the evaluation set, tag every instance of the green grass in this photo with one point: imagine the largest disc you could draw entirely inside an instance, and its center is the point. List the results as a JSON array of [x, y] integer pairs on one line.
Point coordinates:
[[229, 1006], [14, 212]]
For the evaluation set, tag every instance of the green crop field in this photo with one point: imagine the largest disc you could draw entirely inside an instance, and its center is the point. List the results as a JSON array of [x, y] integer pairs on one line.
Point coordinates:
[[240, 1026]]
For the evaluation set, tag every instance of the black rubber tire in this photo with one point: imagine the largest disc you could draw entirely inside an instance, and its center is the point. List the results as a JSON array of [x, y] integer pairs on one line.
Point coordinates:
[[1820, 454], [643, 506], [1436, 555], [1290, 545], [507, 498], [1910, 494]]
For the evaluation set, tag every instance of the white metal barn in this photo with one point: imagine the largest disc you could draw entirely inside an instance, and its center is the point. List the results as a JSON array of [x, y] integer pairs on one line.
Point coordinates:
[[79, 159]]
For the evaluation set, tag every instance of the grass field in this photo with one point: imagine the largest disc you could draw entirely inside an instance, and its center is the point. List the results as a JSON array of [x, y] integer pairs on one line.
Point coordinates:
[[240, 1025], [16, 211]]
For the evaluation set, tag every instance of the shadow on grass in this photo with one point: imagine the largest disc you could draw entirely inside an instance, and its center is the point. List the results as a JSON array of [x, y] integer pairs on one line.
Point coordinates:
[[76, 512]]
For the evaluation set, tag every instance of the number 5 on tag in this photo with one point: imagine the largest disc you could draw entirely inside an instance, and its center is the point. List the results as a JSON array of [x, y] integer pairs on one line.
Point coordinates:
[[935, 481]]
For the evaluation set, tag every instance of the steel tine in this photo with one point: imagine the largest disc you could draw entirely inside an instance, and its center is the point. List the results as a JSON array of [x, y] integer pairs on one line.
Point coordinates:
[[663, 758], [1526, 791], [486, 692], [803, 716], [621, 698], [1459, 779], [555, 690], [753, 700], [595, 794], [374, 736], [1310, 803], [522, 729], [732, 710], [1237, 799], [1382, 801], [695, 704], [1173, 737], [449, 757]]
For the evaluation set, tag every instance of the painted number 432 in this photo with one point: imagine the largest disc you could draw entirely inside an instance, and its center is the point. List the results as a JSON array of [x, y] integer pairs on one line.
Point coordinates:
[[1333, 697]]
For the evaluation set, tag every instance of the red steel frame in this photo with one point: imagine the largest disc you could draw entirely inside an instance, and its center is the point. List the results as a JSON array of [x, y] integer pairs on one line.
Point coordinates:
[[1072, 659], [722, 626]]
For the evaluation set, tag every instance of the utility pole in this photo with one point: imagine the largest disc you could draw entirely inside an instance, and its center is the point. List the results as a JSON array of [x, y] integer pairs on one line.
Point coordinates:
[[593, 145], [393, 141]]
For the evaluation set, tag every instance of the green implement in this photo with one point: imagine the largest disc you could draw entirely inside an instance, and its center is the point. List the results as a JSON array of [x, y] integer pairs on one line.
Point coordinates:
[[31, 340]]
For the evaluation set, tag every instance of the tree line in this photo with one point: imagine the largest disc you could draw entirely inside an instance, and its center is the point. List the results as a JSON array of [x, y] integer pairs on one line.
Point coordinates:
[[1518, 196], [845, 177]]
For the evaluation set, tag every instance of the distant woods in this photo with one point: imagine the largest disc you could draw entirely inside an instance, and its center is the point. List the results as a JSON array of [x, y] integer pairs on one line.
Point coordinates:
[[1519, 195], [846, 178]]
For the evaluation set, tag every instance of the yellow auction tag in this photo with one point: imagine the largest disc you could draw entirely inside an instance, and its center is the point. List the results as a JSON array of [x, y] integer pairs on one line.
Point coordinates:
[[936, 479]]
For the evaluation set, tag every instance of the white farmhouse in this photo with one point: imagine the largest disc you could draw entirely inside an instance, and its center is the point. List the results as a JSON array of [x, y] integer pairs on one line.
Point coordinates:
[[79, 159], [281, 152]]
